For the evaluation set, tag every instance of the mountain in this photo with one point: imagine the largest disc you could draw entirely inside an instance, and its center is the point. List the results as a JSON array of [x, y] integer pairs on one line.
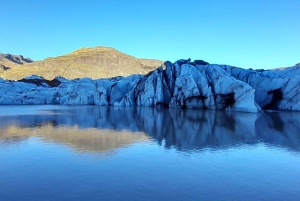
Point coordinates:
[[8, 61], [97, 62]]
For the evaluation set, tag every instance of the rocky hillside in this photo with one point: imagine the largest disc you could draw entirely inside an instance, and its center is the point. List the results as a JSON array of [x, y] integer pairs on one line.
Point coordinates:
[[9, 61], [98, 62]]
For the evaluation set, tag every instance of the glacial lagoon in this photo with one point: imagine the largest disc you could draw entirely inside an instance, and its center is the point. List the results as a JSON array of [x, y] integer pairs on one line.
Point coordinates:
[[143, 153]]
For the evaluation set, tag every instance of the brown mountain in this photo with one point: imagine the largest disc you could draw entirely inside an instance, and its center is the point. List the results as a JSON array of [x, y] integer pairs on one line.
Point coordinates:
[[8, 61], [98, 62]]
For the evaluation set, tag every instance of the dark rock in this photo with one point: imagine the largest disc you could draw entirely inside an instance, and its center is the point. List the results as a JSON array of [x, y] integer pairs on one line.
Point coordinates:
[[199, 62], [4, 67]]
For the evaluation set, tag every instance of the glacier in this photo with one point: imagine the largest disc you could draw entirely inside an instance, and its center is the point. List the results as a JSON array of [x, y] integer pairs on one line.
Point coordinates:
[[182, 84]]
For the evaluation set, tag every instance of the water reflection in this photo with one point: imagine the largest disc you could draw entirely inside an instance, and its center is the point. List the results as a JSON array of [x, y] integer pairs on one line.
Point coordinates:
[[104, 128]]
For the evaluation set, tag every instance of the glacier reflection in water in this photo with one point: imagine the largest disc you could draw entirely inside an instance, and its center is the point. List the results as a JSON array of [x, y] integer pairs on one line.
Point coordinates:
[[142, 153], [182, 129]]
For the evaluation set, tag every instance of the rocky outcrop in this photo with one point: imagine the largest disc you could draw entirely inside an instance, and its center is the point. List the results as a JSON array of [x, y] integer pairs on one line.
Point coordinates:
[[2, 67], [183, 84], [16, 59]]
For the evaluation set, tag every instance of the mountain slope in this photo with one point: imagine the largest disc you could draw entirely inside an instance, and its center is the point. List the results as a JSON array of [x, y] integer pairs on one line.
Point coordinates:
[[8, 61], [98, 62]]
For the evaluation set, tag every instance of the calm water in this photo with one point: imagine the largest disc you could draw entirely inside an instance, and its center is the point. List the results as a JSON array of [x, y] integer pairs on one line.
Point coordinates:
[[106, 153]]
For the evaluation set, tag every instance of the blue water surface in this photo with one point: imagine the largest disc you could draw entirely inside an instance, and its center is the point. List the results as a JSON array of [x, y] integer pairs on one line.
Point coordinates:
[[111, 153]]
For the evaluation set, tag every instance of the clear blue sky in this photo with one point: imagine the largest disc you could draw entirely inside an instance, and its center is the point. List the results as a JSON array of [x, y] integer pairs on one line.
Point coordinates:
[[245, 33]]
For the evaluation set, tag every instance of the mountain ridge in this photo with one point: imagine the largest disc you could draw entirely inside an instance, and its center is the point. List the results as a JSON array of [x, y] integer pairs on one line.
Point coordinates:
[[96, 62], [7, 61]]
